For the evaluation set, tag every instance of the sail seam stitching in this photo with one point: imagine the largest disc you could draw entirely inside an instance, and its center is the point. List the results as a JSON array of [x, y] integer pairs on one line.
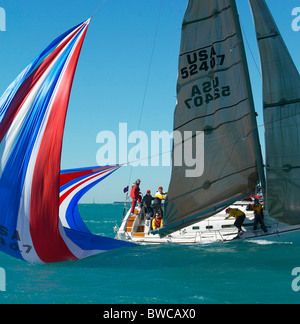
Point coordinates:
[[268, 36], [200, 117], [214, 14], [213, 182], [216, 42], [279, 104]]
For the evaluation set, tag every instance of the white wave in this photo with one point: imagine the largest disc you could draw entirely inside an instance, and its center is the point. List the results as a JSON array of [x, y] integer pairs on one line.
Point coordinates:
[[266, 242]]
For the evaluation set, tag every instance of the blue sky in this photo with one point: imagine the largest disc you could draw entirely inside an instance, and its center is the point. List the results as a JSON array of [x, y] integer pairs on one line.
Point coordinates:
[[110, 82]]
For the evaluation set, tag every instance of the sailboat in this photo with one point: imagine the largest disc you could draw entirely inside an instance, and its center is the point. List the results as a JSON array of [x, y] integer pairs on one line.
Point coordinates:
[[214, 96], [39, 219]]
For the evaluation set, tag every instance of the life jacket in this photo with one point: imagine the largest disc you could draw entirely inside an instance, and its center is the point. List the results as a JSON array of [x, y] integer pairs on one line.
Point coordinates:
[[235, 212], [258, 209], [157, 223], [158, 197]]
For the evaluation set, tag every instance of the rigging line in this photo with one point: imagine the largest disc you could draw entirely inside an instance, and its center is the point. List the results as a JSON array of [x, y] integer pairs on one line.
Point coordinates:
[[99, 7], [240, 140], [148, 77], [253, 58]]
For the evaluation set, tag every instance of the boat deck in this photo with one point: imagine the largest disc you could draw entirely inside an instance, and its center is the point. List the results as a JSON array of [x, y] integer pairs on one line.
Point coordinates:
[[213, 229]]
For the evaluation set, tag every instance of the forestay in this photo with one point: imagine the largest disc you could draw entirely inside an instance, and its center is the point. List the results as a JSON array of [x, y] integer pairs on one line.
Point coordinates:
[[281, 96], [214, 97]]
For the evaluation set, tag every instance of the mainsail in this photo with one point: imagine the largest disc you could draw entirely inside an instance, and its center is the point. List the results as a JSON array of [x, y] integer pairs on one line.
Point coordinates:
[[32, 117], [214, 97], [281, 96]]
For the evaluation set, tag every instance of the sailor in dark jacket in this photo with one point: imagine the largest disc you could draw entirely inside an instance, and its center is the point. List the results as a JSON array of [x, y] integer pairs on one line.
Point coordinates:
[[146, 205]]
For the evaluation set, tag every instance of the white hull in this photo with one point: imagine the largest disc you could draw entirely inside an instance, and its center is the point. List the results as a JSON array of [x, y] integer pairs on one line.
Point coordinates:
[[214, 229]]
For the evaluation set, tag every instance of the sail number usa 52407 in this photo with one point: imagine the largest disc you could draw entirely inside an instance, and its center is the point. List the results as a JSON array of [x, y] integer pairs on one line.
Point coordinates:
[[206, 92], [201, 61]]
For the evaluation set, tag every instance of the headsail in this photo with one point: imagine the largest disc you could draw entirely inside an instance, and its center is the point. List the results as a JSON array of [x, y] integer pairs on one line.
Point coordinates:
[[281, 96], [214, 97], [32, 117]]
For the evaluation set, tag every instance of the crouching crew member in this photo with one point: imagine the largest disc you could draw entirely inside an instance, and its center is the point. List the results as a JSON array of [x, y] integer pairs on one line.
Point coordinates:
[[239, 218]]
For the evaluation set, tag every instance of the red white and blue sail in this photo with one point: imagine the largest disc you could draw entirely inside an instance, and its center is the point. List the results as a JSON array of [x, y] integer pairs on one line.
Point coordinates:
[[32, 118], [73, 185]]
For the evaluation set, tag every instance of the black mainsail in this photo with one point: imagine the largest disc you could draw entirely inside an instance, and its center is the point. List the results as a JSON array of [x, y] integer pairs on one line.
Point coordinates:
[[215, 103]]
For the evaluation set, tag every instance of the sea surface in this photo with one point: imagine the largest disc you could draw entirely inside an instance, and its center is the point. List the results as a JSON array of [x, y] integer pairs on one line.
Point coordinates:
[[234, 272]]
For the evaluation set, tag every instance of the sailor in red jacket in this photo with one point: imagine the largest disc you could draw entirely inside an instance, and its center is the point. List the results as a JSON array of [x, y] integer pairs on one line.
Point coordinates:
[[135, 194]]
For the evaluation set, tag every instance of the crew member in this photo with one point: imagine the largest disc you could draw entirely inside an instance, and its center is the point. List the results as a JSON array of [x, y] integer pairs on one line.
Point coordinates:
[[258, 215], [239, 218], [157, 221], [158, 197], [146, 205], [135, 195]]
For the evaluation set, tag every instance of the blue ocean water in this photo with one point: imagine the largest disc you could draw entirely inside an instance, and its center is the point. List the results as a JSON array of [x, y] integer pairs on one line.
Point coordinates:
[[235, 272]]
